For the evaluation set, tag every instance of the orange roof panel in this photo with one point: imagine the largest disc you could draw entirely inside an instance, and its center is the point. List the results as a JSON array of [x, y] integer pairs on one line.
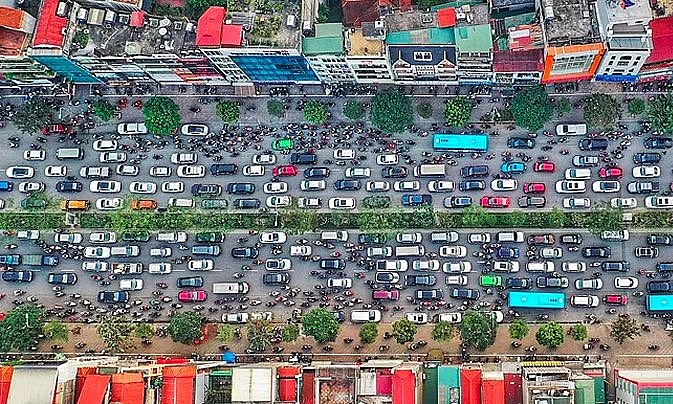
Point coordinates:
[[11, 18], [94, 389]]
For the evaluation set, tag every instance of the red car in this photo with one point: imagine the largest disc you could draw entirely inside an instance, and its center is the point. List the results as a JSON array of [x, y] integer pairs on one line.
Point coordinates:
[[544, 167], [494, 202], [285, 171], [611, 172], [616, 299], [386, 294], [190, 296], [53, 128], [534, 188]]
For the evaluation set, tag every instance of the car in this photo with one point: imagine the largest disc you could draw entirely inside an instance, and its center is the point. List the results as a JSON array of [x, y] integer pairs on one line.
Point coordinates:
[[394, 172], [392, 265], [143, 204], [385, 294], [457, 267], [340, 283], [55, 171], [593, 144], [425, 265], [611, 172], [303, 158], [209, 237], [23, 235], [105, 145], [127, 170], [504, 184], [358, 172], [278, 264], [616, 299], [72, 238], [170, 187], [103, 237], [574, 266], [552, 282], [576, 203], [131, 284], [277, 278], [519, 283], [577, 174], [138, 187], [474, 171], [244, 252], [109, 203], [53, 128], [490, 281], [420, 280], [534, 188], [194, 129], [646, 252], [596, 252], [570, 239], [659, 240], [584, 161], [513, 167], [646, 172], [615, 266], [405, 186], [282, 144], [97, 252], [223, 169], [253, 170], [589, 284], [550, 253], [347, 185], [132, 128], [520, 143], [161, 252], [624, 203], [494, 202], [190, 282], [272, 237], [459, 280], [317, 173], [387, 159], [429, 294], [587, 301], [417, 318], [646, 158], [626, 282], [344, 154], [457, 202], [506, 252], [160, 268], [372, 238], [185, 171], [240, 188], [313, 185], [31, 186], [544, 167], [658, 202], [440, 186], [278, 201], [112, 157], [192, 296], [264, 159], [206, 190], [120, 296], [184, 158], [69, 186], [571, 129], [309, 203], [453, 251], [20, 172], [479, 238], [62, 278], [658, 143], [659, 286], [470, 294], [643, 187], [34, 155], [285, 171], [105, 186], [142, 236], [606, 186], [387, 277], [379, 252], [570, 187], [10, 259], [532, 201], [471, 185]]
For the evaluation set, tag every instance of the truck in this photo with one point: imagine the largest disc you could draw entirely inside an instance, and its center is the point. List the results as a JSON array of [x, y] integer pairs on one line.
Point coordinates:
[[38, 259], [127, 268], [28, 235]]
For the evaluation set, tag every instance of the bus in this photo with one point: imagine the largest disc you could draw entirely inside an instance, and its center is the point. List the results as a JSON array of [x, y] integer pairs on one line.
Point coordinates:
[[537, 300], [659, 302], [476, 142]]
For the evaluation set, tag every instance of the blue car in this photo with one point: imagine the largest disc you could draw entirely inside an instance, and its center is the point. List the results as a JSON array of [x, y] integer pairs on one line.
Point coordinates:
[[513, 167], [416, 200], [508, 252]]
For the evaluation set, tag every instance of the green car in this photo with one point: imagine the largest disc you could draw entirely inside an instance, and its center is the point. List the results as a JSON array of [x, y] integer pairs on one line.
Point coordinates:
[[282, 144], [33, 203], [209, 237], [214, 204], [490, 280], [140, 235]]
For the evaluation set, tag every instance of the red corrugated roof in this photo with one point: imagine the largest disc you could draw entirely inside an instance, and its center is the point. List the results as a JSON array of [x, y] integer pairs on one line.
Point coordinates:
[[662, 40], [404, 387], [518, 61], [50, 27], [513, 392], [384, 382], [6, 373], [287, 383], [94, 389], [308, 387], [128, 388], [470, 386], [212, 31], [178, 387], [493, 392], [446, 17], [355, 12]]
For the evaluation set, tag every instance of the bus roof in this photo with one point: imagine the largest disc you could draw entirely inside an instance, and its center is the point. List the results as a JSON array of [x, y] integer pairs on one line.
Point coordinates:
[[660, 302], [456, 142], [537, 300]]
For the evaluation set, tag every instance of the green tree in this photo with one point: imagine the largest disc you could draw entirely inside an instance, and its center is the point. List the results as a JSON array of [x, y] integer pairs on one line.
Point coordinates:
[[353, 110], [225, 333], [321, 325], [637, 106], [579, 332], [404, 331], [290, 333], [368, 333], [56, 331], [604, 217], [427, 4], [478, 329], [21, 328], [33, 115], [162, 116], [624, 327], [458, 111], [116, 332], [104, 110], [601, 111], [518, 329], [476, 216], [550, 335], [185, 327], [275, 108], [323, 14], [562, 106], [442, 331], [424, 110], [260, 333], [391, 111], [531, 108], [228, 111], [144, 331], [555, 218], [315, 112], [660, 112], [194, 8]]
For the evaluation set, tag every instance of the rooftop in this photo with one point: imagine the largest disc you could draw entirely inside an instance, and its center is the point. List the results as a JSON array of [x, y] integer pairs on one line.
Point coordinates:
[[568, 22], [213, 31], [428, 36], [624, 11], [360, 45], [519, 61], [16, 27], [328, 39], [336, 385], [411, 20], [50, 30], [355, 12], [662, 40], [474, 38], [511, 3], [647, 375]]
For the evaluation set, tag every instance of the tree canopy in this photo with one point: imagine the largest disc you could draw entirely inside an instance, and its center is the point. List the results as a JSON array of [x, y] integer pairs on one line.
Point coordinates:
[[228, 111], [624, 327], [185, 327], [353, 110], [21, 328], [550, 335], [56, 331], [532, 108], [194, 8], [104, 110], [33, 115], [368, 333], [424, 110], [604, 217], [404, 330], [442, 331], [315, 112], [518, 329], [391, 111], [579, 332], [144, 331], [260, 333], [458, 111], [162, 116], [290, 333], [321, 325], [478, 329], [660, 112], [637, 106], [225, 333], [601, 111], [116, 332]]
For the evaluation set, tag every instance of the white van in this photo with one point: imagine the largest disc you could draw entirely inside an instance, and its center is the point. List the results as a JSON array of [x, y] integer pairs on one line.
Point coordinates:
[[430, 171], [181, 202], [578, 174], [540, 266], [571, 129], [231, 288], [618, 235], [365, 316], [340, 235], [510, 237], [409, 251], [172, 237], [126, 251], [69, 153]]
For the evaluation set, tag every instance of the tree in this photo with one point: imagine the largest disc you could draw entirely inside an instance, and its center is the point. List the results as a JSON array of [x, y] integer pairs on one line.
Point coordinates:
[[476, 216], [550, 334], [637, 106], [290, 333], [116, 332], [404, 331], [624, 327], [660, 112], [56, 331], [478, 329], [228, 111], [427, 4], [562, 106], [601, 111], [442, 331], [275, 108], [21, 328], [194, 8], [186, 327], [162, 115], [424, 110], [104, 110], [391, 111], [604, 217], [321, 325], [33, 115], [353, 110], [531, 108], [225, 333], [260, 333], [579, 332], [368, 333], [458, 111], [518, 329], [315, 112], [144, 331]]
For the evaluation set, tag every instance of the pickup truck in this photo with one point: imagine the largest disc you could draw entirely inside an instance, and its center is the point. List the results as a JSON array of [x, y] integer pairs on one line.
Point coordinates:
[[127, 268], [28, 235], [37, 260]]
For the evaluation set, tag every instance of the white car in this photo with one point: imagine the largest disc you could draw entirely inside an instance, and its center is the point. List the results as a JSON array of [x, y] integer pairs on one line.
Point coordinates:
[[441, 186], [112, 157], [590, 284], [253, 170], [162, 171], [191, 171], [73, 238], [279, 187], [377, 186], [97, 252], [453, 251], [358, 172], [184, 158], [55, 171], [170, 187], [300, 250], [425, 265], [278, 201], [105, 186], [140, 187], [387, 159], [344, 154], [309, 203], [34, 155], [131, 284], [200, 265], [105, 145], [551, 252], [272, 237], [577, 174], [343, 283], [109, 203], [278, 264], [571, 187], [161, 252], [626, 282], [132, 128], [606, 186], [417, 318], [95, 266], [160, 268], [264, 159], [457, 267], [478, 238], [235, 318], [507, 184], [409, 238], [576, 203], [406, 186], [458, 280], [31, 186], [626, 203], [453, 318], [194, 129], [646, 171], [313, 185], [127, 170], [506, 266], [20, 172], [342, 203], [103, 237], [574, 266]]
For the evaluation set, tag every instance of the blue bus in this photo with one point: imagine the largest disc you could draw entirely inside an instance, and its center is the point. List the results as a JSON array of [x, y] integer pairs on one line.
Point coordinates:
[[476, 142], [659, 302], [537, 300]]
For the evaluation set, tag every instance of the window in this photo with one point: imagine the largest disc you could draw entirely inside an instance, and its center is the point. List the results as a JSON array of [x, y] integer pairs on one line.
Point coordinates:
[[422, 56]]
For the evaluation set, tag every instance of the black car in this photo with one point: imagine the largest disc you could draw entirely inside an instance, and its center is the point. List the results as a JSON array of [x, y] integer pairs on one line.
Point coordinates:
[[394, 172], [244, 252], [247, 203], [240, 188], [420, 280], [139, 235], [119, 296], [643, 187], [316, 173], [69, 186], [532, 201], [17, 276], [190, 282], [570, 239], [332, 263], [659, 239], [646, 158], [519, 283], [347, 185], [465, 186], [62, 278], [596, 144], [223, 169], [474, 171], [596, 252], [277, 278], [520, 143], [209, 237], [658, 143], [615, 266], [206, 189], [552, 282], [658, 286], [386, 277], [470, 294], [303, 158], [457, 202], [429, 294], [372, 238]]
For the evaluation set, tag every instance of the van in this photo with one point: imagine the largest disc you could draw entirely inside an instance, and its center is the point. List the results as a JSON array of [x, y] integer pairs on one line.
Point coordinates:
[[126, 251], [212, 250], [340, 235], [231, 288], [430, 171], [181, 202], [365, 316], [540, 266], [617, 235], [172, 237], [410, 251], [571, 129], [303, 158], [69, 153], [510, 237], [444, 237]]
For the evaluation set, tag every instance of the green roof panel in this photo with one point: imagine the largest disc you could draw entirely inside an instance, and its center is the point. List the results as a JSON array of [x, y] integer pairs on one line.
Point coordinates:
[[474, 38]]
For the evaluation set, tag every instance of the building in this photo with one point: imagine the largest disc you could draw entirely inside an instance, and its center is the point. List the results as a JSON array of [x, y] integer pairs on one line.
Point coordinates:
[[624, 25], [326, 53], [549, 383], [659, 64], [634, 386], [474, 44], [366, 54], [357, 12]]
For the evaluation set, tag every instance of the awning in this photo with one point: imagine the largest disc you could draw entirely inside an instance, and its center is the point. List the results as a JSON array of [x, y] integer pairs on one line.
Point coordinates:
[[33, 384], [404, 387], [94, 390], [137, 19], [287, 383], [178, 386], [128, 388], [6, 373]]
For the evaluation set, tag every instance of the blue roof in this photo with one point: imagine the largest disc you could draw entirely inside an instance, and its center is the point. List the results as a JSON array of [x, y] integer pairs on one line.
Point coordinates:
[[275, 69]]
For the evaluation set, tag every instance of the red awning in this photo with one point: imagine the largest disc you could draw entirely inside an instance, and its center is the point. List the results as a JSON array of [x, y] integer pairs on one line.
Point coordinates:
[[662, 40], [308, 387], [178, 387], [50, 27], [513, 392], [404, 387], [128, 388], [137, 19], [470, 386], [171, 361], [287, 383], [493, 391], [446, 17], [94, 389], [384, 382], [6, 373]]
